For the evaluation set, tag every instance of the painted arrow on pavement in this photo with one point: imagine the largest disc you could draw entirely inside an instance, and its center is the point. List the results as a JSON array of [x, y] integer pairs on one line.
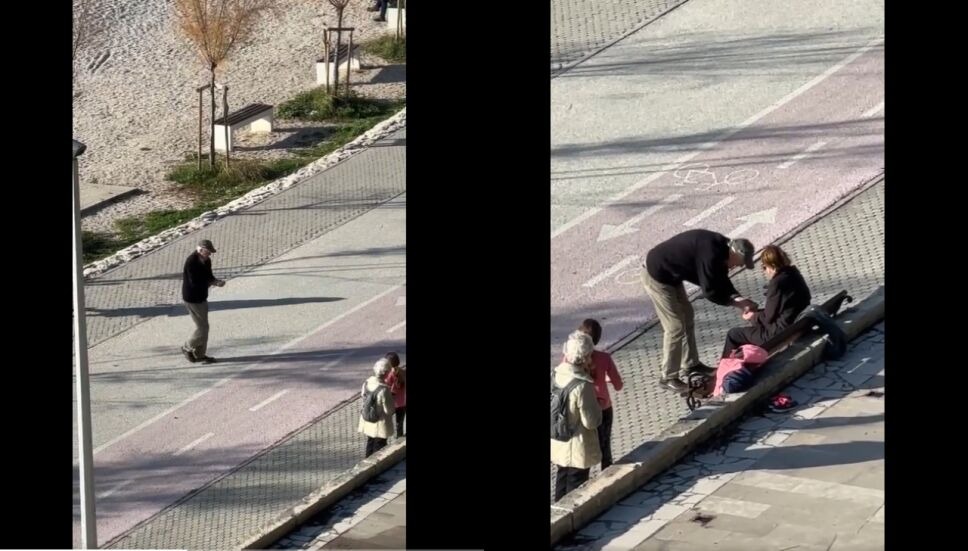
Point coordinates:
[[767, 216], [628, 227]]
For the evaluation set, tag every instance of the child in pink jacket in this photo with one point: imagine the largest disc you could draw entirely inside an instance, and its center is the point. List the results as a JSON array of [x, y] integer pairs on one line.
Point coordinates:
[[603, 371], [397, 381]]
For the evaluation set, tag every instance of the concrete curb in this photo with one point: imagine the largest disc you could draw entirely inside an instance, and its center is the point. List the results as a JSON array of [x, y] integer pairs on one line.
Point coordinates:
[[94, 207], [655, 456], [326, 496]]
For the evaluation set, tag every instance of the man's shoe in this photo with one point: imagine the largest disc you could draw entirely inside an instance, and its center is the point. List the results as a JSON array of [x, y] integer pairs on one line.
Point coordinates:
[[701, 369], [207, 360], [673, 384], [189, 355]]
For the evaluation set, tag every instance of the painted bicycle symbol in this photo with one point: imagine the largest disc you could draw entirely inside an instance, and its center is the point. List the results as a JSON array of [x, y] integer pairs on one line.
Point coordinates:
[[699, 174]]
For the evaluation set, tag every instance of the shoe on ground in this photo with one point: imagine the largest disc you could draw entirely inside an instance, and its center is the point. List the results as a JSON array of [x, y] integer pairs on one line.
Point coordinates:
[[701, 369], [207, 360], [189, 355], [781, 403], [673, 384], [380, 19]]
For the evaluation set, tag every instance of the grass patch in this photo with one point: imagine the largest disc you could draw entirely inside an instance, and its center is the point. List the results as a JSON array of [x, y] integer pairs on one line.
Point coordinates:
[[97, 245], [388, 47], [135, 228], [222, 184], [319, 105]]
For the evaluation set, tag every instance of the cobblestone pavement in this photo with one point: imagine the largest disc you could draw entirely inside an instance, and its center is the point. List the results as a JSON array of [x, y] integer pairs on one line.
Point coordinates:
[[579, 27], [808, 479]]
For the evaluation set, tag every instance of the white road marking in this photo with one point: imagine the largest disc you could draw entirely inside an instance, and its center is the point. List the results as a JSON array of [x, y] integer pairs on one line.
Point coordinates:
[[708, 212], [614, 269], [268, 400], [195, 443]]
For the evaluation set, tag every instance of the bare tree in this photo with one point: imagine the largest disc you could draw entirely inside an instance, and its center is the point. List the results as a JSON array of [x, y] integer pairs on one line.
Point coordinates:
[[216, 28]]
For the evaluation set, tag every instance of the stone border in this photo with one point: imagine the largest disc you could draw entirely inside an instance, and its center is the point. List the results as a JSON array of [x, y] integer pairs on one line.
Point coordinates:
[[368, 138], [658, 454], [326, 496]]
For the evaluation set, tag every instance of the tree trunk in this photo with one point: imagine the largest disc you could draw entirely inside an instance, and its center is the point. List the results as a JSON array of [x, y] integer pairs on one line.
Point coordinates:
[[198, 159], [339, 36], [211, 135], [225, 114]]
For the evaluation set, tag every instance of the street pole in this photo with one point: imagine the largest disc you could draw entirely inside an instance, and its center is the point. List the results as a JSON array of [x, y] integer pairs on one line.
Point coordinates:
[[86, 455]]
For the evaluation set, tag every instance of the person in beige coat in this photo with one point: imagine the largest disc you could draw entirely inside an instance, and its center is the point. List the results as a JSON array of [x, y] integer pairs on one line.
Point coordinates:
[[378, 432], [575, 457]]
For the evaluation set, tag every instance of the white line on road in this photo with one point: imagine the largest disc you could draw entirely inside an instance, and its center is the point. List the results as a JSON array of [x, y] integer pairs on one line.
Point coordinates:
[[800, 156], [359, 306], [267, 359], [873, 111], [397, 326], [613, 270], [168, 411], [709, 145], [116, 487], [269, 400], [195, 443], [708, 212]]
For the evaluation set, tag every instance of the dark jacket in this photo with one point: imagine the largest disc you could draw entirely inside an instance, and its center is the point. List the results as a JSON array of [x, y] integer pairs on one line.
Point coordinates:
[[696, 256], [786, 296], [197, 276]]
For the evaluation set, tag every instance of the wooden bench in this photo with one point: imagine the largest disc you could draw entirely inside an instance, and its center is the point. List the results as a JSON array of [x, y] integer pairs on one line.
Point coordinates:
[[256, 116], [699, 384], [344, 59]]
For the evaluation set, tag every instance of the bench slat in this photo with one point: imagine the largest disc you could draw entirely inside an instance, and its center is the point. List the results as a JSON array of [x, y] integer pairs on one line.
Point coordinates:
[[333, 57], [246, 112]]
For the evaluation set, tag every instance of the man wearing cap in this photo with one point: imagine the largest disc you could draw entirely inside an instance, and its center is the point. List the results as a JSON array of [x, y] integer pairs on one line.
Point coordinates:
[[703, 258], [197, 277]]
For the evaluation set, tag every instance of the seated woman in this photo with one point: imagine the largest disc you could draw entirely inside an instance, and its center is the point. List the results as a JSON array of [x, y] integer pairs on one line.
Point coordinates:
[[786, 296]]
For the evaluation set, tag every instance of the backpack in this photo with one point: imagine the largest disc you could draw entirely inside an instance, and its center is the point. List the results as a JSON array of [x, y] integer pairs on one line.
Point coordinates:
[[371, 411], [560, 430], [737, 373], [836, 338]]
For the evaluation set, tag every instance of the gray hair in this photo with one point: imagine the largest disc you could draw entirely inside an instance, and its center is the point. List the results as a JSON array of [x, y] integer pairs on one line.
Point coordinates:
[[381, 367], [578, 348]]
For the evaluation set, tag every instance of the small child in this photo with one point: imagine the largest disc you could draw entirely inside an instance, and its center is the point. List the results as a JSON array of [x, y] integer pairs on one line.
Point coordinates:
[[603, 370], [397, 380]]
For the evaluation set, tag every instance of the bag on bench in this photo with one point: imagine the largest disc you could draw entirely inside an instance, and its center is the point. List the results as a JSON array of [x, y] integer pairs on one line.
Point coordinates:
[[736, 374], [836, 338]]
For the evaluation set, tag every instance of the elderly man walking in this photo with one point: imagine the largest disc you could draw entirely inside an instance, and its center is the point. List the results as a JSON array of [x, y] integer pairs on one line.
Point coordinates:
[[197, 277]]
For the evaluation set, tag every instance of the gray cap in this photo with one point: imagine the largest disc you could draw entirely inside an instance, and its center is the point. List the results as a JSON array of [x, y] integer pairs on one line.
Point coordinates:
[[206, 244], [745, 248]]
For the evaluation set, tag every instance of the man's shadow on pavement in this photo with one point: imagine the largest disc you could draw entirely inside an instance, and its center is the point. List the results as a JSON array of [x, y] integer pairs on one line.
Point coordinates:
[[175, 310]]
